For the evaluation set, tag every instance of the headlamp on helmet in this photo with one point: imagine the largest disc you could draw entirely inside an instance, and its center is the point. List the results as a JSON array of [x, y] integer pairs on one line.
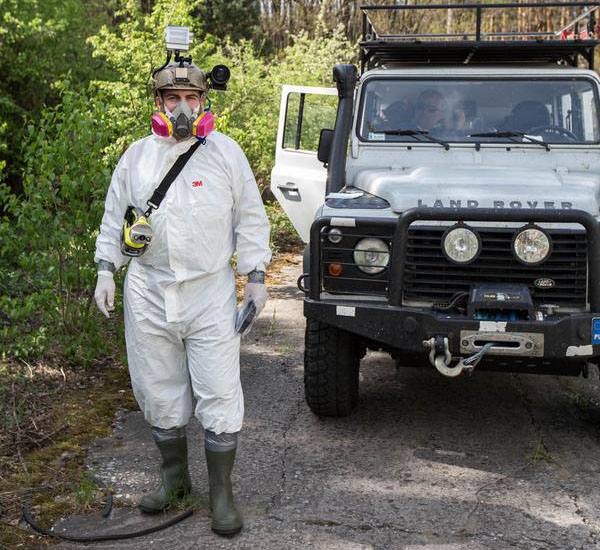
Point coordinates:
[[178, 38]]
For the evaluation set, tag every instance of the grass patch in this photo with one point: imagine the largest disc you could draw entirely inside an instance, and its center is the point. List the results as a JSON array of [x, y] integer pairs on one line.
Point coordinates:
[[541, 453], [87, 491], [191, 502], [272, 328]]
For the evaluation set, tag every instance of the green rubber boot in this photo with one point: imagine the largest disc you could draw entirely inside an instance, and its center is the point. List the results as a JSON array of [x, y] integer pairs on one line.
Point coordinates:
[[226, 519], [174, 476]]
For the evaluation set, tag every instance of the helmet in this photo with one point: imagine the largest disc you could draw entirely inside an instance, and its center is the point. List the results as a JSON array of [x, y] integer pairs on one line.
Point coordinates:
[[172, 75]]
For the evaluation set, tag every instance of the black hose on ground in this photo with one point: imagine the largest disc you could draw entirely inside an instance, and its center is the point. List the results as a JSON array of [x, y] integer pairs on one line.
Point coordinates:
[[105, 512]]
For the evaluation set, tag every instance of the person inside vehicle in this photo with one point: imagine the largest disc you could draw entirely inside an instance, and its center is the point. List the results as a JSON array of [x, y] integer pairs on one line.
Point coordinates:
[[429, 111], [527, 115], [395, 116]]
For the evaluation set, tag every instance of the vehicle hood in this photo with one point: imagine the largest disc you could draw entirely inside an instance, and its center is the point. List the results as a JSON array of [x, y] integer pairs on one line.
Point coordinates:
[[482, 187]]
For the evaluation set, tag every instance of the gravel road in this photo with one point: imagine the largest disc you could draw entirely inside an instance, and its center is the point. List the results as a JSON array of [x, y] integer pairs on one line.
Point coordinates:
[[491, 461]]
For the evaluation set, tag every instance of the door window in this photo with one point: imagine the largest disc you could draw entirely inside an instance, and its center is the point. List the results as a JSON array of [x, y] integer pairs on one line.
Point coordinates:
[[306, 115]]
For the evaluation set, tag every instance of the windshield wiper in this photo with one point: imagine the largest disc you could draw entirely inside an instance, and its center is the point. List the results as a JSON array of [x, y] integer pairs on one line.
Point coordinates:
[[414, 134], [512, 136]]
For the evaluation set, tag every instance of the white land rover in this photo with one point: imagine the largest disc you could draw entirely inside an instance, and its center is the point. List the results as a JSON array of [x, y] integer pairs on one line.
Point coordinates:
[[456, 223]]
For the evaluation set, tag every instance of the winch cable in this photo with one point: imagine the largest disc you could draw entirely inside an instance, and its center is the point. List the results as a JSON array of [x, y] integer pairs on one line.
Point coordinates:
[[26, 514], [476, 357]]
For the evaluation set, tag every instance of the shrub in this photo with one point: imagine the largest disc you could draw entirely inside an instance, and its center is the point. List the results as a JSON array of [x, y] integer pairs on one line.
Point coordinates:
[[48, 234]]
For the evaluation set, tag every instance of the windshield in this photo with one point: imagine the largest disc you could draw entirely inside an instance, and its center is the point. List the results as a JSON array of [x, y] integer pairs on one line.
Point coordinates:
[[514, 110]]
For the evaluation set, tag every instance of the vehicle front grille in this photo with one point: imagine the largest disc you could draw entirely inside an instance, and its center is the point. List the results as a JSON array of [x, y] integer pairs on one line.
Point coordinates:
[[430, 277]]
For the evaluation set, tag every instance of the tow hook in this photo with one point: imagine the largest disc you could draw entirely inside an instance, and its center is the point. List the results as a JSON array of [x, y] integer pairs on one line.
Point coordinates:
[[440, 357], [300, 283]]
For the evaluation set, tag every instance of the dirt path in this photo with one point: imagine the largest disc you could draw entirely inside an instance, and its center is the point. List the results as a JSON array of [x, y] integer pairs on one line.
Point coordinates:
[[493, 461]]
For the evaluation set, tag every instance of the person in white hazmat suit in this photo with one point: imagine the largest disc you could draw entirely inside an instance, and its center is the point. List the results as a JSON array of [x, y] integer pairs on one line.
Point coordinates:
[[180, 296]]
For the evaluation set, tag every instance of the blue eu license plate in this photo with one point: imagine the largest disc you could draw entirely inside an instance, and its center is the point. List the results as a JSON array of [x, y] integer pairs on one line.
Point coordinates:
[[596, 330]]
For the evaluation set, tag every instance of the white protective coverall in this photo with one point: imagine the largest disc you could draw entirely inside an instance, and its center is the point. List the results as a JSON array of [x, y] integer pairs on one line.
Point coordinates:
[[180, 299]]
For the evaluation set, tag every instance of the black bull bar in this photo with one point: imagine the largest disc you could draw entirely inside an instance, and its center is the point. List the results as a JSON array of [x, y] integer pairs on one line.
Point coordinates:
[[400, 238]]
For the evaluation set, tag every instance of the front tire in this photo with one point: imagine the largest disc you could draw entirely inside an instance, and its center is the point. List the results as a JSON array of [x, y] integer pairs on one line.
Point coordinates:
[[331, 364]]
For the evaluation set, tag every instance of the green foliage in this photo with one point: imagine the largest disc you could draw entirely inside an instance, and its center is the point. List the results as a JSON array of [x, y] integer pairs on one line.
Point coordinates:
[[46, 271], [309, 60], [541, 453], [249, 109], [41, 42], [251, 104], [319, 112]]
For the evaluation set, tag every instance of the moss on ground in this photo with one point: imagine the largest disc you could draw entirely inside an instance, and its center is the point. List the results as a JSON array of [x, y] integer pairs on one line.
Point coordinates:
[[76, 411]]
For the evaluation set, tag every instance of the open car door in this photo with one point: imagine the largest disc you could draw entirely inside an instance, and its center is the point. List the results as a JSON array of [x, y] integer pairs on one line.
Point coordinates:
[[298, 177]]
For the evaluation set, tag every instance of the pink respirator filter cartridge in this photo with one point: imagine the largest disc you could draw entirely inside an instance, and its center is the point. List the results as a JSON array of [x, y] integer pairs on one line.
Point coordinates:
[[161, 125], [204, 124]]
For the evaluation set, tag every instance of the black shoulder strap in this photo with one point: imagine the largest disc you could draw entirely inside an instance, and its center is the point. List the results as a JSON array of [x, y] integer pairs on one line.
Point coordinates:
[[163, 187]]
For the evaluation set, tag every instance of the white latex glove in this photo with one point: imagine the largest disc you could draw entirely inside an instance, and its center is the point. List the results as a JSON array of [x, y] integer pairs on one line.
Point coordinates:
[[256, 292], [105, 292]]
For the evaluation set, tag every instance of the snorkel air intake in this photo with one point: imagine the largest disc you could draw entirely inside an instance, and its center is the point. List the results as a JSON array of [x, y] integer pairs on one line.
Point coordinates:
[[345, 78]]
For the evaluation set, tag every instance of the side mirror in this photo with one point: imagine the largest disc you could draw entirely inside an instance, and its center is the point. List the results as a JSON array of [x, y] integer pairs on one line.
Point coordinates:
[[325, 141]]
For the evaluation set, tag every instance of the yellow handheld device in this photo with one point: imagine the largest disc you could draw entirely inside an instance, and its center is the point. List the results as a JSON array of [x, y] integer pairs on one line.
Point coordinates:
[[136, 234]]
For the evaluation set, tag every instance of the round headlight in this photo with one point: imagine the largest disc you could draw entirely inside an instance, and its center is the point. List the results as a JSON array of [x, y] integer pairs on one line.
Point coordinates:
[[371, 255], [334, 235], [461, 245], [531, 246]]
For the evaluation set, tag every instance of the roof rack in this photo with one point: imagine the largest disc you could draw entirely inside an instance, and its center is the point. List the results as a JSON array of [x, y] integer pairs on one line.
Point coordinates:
[[472, 35]]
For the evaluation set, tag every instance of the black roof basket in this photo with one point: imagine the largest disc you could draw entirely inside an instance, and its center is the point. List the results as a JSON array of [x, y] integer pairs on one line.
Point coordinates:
[[476, 38]]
